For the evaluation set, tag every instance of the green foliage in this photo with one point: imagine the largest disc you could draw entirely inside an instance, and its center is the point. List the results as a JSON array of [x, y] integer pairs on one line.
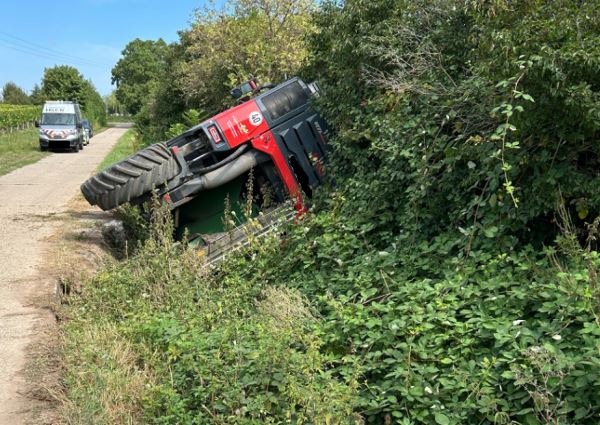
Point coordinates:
[[442, 279], [446, 129], [14, 95], [93, 107], [166, 104], [439, 339], [264, 38], [66, 83], [190, 118], [214, 349], [63, 83], [37, 98], [456, 138], [136, 73], [16, 115], [224, 47]]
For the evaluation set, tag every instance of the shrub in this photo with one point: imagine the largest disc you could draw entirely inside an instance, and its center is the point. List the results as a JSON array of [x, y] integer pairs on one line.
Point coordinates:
[[218, 348], [495, 338]]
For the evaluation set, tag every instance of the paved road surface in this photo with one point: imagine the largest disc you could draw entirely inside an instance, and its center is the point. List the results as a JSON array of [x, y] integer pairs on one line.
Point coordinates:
[[27, 197]]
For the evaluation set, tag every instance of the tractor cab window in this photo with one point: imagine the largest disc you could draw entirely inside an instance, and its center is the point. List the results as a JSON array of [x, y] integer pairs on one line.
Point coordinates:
[[284, 100]]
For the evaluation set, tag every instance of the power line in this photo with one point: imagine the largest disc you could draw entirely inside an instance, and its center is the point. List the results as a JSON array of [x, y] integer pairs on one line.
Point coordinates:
[[42, 54], [46, 50], [34, 49], [22, 50]]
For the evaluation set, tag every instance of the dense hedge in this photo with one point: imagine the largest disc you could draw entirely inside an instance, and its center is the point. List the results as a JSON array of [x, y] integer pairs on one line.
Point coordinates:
[[448, 110], [466, 145]]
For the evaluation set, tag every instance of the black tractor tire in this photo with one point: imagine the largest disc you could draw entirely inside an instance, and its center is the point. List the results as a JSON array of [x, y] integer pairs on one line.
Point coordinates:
[[131, 178]]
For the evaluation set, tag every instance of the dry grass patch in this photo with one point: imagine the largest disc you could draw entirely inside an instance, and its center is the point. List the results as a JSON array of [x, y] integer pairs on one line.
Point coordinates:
[[74, 252], [105, 385]]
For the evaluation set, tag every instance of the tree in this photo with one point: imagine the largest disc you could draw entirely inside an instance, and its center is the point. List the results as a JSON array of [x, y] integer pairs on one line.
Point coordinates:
[[168, 102], [37, 98], [63, 83], [136, 73], [113, 106], [94, 106], [261, 38], [224, 47], [14, 95], [66, 83]]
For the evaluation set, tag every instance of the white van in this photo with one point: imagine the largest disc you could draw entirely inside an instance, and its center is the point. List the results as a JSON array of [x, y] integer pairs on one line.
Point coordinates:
[[60, 126]]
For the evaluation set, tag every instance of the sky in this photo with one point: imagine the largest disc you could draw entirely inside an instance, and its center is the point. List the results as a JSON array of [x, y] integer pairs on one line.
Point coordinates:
[[86, 34]]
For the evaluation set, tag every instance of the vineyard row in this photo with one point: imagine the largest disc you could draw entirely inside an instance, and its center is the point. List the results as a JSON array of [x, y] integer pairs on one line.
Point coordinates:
[[13, 116]]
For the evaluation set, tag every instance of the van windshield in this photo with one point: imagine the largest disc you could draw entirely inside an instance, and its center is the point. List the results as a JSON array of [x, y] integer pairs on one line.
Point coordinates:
[[58, 119]]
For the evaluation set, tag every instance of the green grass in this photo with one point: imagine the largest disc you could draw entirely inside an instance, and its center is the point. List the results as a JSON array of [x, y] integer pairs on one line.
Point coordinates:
[[159, 339], [19, 149], [125, 146]]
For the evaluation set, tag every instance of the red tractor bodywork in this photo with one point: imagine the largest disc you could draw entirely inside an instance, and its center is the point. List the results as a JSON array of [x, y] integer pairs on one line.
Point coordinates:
[[272, 144], [279, 124]]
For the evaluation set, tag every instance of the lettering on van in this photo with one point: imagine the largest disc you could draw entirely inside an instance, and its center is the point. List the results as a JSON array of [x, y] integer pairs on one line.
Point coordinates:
[[55, 109]]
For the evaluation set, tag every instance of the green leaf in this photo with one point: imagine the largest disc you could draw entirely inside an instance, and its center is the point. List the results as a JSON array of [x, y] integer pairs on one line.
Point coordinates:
[[528, 97], [531, 419], [441, 419], [490, 232], [583, 213]]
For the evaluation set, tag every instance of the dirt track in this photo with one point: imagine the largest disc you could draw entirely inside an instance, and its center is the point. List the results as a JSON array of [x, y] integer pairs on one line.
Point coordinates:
[[29, 197]]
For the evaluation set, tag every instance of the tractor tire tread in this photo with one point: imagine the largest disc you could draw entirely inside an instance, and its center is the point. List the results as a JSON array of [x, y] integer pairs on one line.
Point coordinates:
[[132, 177]]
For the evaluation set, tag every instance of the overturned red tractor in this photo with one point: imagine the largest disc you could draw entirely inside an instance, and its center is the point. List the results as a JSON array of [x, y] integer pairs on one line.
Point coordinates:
[[275, 139]]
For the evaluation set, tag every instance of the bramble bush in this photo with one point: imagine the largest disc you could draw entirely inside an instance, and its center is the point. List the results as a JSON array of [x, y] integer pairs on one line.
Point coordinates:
[[460, 128], [439, 339], [446, 111]]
